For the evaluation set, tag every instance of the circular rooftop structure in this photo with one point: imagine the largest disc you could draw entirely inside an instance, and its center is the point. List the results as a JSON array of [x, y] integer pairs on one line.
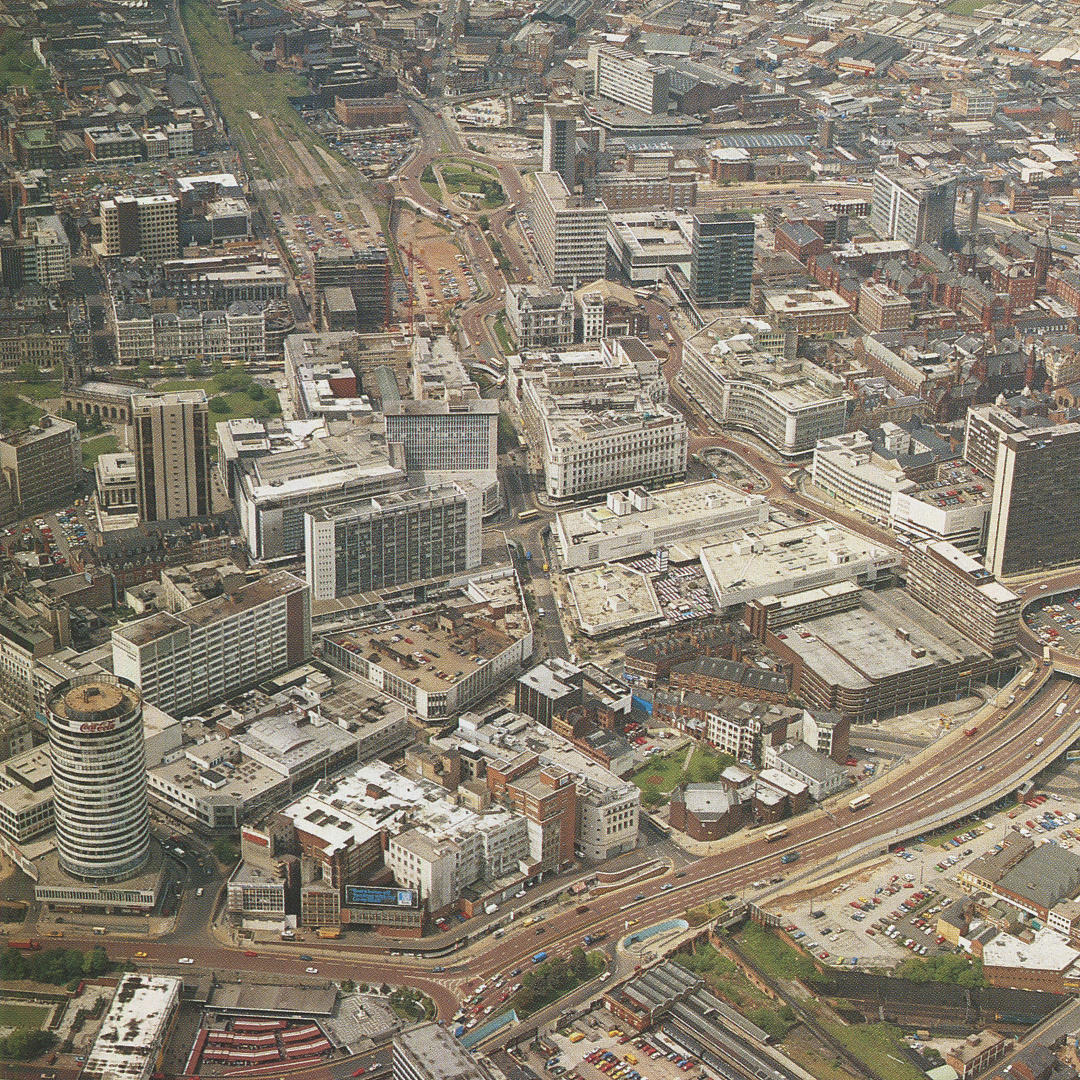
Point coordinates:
[[99, 777]]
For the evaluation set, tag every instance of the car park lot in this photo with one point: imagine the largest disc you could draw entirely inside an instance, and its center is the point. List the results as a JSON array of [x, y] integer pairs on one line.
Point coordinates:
[[880, 916], [595, 1047], [1055, 621]]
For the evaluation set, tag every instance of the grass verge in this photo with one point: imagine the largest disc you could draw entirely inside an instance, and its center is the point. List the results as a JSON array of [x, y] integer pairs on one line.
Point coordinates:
[[879, 1047], [92, 449], [727, 979], [772, 956], [45, 390], [504, 338]]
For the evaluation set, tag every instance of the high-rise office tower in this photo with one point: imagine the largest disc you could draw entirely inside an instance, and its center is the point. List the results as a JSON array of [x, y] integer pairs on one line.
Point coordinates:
[[722, 258], [964, 593], [571, 231], [181, 661], [146, 225], [98, 757], [909, 207], [560, 144], [1036, 501], [171, 443], [392, 539], [630, 79], [43, 466], [444, 436]]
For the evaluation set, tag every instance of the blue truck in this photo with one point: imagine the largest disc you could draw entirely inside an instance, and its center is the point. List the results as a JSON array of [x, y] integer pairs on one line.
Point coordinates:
[[540, 957]]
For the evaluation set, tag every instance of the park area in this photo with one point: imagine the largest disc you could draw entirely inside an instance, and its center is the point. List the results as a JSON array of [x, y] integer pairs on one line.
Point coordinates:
[[659, 776], [475, 179], [17, 1015]]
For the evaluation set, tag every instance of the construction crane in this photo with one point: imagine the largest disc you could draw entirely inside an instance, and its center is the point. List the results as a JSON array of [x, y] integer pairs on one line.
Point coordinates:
[[410, 258]]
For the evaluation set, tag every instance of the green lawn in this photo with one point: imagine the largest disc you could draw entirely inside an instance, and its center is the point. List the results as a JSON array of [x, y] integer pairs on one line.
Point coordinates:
[[879, 1047], [433, 189], [964, 7], [474, 180], [16, 414], [23, 1016], [476, 166], [240, 405], [92, 449], [187, 384], [769, 954], [664, 771], [39, 391]]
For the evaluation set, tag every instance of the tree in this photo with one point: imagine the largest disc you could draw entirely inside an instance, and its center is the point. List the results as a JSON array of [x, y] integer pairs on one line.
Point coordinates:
[[30, 373], [169, 367], [193, 367], [144, 369], [96, 962], [219, 405], [225, 850], [579, 966], [25, 1044], [256, 391], [653, 797], [217, 366]]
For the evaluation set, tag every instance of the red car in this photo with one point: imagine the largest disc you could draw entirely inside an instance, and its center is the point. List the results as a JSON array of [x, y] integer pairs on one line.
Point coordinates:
[[250, 952], [360, 1071]]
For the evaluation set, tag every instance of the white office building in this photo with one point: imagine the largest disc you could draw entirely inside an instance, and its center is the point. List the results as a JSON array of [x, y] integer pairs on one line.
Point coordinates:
[[377, 543], [952, 506], [48, 263], [633, 522], [430, 1052], [791, 404], [570, 230], [182, 661], [146, 225], [910, 207], [136, 1028], [630, 80]]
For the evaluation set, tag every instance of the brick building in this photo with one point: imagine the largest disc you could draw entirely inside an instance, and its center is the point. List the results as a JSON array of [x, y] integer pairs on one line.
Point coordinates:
[[718, 677]]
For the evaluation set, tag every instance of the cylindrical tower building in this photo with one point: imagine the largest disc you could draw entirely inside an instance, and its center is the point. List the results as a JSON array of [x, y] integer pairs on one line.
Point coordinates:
[[99, 777]]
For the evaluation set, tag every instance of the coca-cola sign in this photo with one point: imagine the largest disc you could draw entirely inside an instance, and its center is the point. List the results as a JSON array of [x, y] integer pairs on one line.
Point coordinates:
[[100, 725]]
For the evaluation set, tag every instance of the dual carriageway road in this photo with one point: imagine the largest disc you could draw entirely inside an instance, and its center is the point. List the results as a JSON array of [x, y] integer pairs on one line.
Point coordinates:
[[952, 774]]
